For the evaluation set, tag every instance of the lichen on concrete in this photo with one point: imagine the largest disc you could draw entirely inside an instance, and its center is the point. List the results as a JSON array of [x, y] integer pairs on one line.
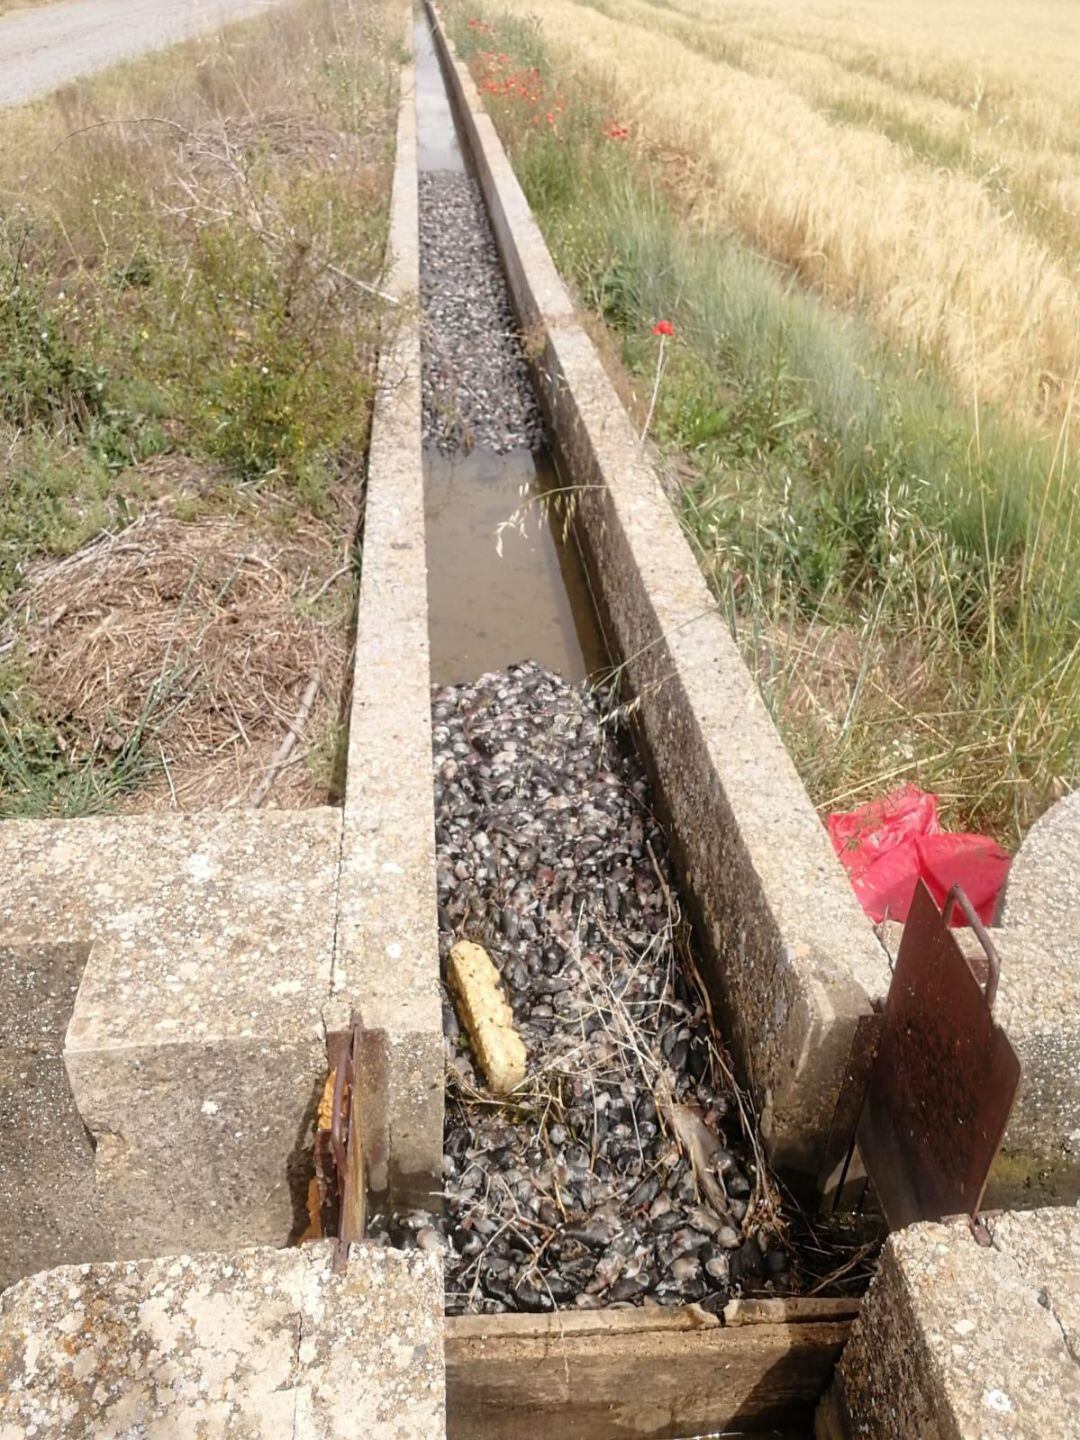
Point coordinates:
[[259, 1345]]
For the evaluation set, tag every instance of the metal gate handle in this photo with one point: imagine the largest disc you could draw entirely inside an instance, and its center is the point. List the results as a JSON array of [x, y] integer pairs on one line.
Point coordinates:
[[955, 897]]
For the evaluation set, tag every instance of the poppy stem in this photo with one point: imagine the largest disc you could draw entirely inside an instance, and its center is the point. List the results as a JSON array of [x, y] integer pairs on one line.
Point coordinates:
[[655, 389]]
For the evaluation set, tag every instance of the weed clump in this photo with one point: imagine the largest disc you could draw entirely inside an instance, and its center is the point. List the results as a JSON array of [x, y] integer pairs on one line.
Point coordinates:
[[44, 380]]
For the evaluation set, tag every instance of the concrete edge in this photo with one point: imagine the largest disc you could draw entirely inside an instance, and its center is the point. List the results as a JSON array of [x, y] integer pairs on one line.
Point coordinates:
[[1038, 1007], [284, 1344], [386, 965], [793, 961], [961, 1335], [1037, 936]]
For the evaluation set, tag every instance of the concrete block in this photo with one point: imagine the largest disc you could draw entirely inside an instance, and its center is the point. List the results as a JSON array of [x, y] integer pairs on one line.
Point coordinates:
[[50, 1210], [1038, 942], [195, 1050], [794, 962], [387, 961], [264, 1345], [1043, 888], [1038, 1005], [957, 1341]]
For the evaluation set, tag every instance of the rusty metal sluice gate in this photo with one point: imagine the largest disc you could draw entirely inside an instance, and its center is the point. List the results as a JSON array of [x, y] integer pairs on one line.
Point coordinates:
[[931, 1080]]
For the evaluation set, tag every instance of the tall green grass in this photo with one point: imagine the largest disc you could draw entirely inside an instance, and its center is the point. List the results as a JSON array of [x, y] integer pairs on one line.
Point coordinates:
[[901, 567]]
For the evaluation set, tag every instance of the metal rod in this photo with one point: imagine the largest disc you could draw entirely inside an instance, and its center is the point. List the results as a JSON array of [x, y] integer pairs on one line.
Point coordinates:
[[956, 896]]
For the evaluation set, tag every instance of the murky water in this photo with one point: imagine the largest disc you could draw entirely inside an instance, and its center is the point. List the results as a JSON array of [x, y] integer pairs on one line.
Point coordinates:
[[505, 583], [436, 135], [500, 586]]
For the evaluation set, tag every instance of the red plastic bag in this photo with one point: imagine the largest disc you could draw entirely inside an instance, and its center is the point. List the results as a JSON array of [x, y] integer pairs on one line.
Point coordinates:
[[890, 843]]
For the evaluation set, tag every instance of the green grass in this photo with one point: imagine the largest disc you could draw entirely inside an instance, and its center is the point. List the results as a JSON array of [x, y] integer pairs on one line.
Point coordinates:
[[42, 776], [900, 571], [187, 249]]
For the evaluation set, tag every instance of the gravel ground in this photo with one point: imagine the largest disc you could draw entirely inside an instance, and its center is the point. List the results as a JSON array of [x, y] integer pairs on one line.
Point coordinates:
[[622, 1171], [477, 392], [43, 48]]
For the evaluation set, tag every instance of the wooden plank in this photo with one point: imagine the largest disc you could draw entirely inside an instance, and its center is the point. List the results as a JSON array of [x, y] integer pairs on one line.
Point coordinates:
[[633, 1374], [794, 1310], [584, 1322]]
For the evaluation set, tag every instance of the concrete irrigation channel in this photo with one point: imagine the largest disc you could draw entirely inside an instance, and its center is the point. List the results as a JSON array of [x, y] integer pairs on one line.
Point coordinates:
[[555, 753]]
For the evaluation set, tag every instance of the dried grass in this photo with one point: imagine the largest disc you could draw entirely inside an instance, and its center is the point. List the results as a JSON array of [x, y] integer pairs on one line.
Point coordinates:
[[225, 617], [7, 7], [197, 239]]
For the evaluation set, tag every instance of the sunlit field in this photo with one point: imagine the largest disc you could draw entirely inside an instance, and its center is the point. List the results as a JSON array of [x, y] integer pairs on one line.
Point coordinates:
[[863, 222], [921, 161]]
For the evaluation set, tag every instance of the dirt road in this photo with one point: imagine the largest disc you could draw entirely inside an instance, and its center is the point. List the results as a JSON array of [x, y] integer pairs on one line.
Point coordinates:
[[43, 47]]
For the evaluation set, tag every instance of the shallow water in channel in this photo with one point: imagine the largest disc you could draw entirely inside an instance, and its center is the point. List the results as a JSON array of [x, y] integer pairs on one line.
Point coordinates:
[[505, 582]]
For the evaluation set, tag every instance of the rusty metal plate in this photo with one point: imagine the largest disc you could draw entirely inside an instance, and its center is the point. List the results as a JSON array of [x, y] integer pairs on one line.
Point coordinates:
[[944, 1077]]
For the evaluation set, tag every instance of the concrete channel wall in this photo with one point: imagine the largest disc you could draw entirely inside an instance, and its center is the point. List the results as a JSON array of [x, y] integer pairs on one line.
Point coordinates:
[[794, 961], [387, 958]]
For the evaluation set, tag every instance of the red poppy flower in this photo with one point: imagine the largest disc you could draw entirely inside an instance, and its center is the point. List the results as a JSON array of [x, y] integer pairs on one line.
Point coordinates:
[[664, 327]]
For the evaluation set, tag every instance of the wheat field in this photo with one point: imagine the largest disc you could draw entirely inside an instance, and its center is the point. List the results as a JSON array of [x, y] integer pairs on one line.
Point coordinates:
[[919, 162]]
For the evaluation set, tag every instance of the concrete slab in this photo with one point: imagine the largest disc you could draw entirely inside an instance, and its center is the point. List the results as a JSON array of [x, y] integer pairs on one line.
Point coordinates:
[[195, 1050], [387, 959], [50, 1210], [1043, 888], [1038, 1005], [794, 962], [263, 1344], [967, 1342]]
